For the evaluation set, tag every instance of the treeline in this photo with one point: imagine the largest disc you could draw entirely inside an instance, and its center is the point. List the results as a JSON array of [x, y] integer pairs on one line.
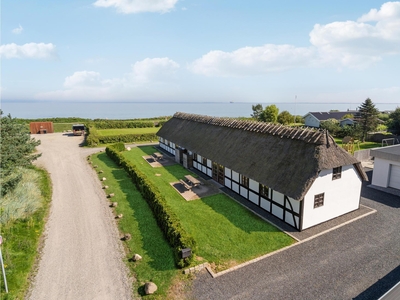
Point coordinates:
[[271, 114]]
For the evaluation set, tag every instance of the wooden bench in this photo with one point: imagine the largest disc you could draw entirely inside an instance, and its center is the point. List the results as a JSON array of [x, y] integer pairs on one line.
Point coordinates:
[[187, 186], [157, 156], [195, 182]]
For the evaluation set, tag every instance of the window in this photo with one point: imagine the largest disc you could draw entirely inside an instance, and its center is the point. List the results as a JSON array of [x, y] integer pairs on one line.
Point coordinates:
[[204, 161], [244, 181], [264, 191], [195, 156], [337, 173], [319, 200]]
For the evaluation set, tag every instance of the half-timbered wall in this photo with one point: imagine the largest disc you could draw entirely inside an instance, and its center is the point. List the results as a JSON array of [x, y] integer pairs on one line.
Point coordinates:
[[279, 205], [167, 145]]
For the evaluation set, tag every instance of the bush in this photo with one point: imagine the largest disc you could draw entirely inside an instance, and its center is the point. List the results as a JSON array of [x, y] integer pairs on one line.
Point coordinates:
[[169, 223], [119, 147], [111, 124]]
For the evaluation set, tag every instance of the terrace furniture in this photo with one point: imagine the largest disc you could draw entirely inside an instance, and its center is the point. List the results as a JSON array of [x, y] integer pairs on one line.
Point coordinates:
[[186, 186], [157, 155], [195, 182]]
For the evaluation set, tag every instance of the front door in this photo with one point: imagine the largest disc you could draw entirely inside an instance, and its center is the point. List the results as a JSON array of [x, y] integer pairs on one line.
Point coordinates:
[[218, 172]]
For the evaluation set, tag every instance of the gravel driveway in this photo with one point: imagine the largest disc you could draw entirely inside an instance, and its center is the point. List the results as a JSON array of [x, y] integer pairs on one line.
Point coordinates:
[[82, 257]]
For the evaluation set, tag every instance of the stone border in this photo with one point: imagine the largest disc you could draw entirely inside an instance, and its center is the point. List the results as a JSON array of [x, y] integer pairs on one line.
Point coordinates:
[[197, 268]]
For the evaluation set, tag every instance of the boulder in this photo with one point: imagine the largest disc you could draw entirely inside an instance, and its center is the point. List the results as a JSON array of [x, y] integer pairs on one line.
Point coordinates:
[[150, 288], [127, 237], [103, 179], [110, 195], [114, 204], [128, 148], [105, 187], [120, 216], [136, 257]]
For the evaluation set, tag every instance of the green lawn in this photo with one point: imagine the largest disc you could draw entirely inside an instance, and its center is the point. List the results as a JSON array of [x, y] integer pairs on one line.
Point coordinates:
[[110, 132], [60, 127], [360, 146], [226, 233], [147, 240]]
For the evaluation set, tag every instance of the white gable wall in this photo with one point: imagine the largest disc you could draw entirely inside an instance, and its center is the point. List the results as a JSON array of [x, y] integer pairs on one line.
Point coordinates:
[[311, 121], [380, 176], [341, 196]]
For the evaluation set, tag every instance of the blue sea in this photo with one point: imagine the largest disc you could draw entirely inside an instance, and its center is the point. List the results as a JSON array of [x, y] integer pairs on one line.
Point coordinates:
[[135, 110]]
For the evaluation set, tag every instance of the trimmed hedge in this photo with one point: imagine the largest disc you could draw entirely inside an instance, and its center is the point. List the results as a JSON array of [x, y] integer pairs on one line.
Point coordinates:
[[169, 223], [111, 124], [127, 138]]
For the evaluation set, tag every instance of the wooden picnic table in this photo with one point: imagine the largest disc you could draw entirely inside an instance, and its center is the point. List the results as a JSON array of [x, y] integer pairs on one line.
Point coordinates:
[[157, 155], [192, 180]]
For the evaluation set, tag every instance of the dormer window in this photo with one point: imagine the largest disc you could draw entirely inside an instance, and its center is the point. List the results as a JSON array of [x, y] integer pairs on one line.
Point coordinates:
[[337, 173]]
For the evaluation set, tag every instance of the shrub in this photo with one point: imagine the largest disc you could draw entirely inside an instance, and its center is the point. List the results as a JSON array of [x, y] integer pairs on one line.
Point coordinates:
[[169, 223]]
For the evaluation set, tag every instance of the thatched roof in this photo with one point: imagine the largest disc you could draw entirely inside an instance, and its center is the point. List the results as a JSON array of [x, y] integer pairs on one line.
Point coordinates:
[[286, 159]]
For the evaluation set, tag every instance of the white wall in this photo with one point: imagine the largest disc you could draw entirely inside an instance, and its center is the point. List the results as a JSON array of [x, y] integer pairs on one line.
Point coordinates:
[[380, 175], [311, 121], [341, 196]]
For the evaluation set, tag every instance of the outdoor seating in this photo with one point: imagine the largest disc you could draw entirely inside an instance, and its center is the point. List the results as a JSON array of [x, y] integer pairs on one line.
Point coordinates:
[[195, 182], [157, 156], [185, 184]]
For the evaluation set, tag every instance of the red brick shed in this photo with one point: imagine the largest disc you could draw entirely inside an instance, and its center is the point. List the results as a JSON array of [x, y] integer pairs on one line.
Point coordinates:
[[41, 127]]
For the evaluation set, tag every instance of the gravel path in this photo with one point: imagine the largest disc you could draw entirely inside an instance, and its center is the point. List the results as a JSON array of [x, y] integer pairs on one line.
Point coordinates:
[[82, 257], [360, 260]]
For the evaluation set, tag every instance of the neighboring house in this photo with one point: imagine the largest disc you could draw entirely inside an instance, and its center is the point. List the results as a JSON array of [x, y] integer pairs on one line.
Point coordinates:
[[346, 122], [313, 119], [386, 167], [299, 175]]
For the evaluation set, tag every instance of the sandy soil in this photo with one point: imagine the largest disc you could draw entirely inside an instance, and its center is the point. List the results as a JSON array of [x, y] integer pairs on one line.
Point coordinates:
[[82, 254]]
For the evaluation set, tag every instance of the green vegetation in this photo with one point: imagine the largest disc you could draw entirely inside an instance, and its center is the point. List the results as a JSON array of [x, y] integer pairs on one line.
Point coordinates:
[[61, 127], [124, 131], [394, 121], [271, 114], [23, 216], [359, 145], [16, 149], [226, 233], [368, 118], [147, 240]]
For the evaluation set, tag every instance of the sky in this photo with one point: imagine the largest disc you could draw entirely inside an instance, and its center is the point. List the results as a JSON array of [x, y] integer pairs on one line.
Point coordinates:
[[190, 50]]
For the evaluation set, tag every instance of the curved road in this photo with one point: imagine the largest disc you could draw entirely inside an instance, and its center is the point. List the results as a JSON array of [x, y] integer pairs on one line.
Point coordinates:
[[82, 257]]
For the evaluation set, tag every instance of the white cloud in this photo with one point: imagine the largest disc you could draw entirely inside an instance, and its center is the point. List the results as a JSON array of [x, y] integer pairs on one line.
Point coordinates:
[[153, 69], [17, 30], [389, 10], [138, 6], [83, 79], [151, 75], [349, 44], [30, 50], [253, 60]]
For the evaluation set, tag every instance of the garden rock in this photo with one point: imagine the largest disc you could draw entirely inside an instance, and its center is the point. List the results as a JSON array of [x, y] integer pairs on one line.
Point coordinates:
[[150, 288], [136, 257]]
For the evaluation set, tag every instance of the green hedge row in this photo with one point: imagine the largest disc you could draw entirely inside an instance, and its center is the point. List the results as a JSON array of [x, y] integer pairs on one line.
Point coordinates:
[[169, 223], [110, 124]]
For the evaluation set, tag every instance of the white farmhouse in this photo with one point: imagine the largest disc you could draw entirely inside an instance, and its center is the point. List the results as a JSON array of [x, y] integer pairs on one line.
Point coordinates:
[[386, 167], [299, 175]]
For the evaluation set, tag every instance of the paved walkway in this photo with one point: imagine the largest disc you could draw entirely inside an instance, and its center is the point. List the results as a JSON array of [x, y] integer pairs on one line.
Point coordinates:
[[357, 261]]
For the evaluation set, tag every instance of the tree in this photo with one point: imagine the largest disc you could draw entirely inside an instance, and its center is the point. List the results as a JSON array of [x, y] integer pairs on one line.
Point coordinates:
[[257, 111], [332, 125], [270, 114], [285, 118], [368, 117], [16, 148], [394, 121], [348, 116]]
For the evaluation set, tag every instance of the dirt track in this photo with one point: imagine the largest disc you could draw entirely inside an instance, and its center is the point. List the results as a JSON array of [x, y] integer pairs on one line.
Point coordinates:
[[82, 254]]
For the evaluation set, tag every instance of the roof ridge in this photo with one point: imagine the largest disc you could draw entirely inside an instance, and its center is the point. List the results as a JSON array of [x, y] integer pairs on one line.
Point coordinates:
[[308, 135]]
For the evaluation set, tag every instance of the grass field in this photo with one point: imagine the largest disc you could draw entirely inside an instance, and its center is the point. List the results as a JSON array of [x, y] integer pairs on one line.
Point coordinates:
[[226, 233], [147, 240], [360, 146], [21, 238], [111, 132], [60, 127]]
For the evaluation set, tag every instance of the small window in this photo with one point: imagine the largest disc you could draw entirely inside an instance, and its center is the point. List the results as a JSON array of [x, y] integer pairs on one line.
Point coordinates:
[[195, 156], [319, 200], [264, 191], [204, 161], [244, 181], [337, 173]]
